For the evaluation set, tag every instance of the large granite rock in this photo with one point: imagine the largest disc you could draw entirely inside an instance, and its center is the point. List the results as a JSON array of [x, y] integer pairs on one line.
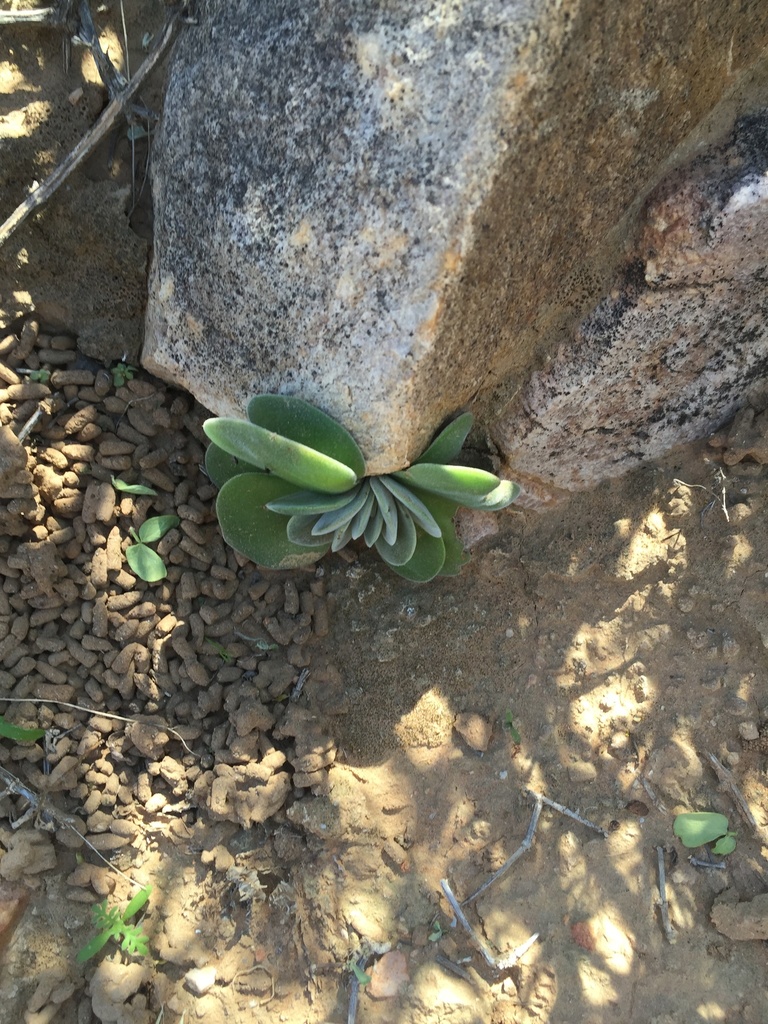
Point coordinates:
[[677, 346], [398, 209]]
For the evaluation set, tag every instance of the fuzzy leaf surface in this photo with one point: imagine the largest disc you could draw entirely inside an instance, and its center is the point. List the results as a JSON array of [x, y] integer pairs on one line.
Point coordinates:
[[156, 528], [291, 460], [449, 442], [460, 483], [146, 563], [221, 466], [251, 528], [299, 421], [700, 827]]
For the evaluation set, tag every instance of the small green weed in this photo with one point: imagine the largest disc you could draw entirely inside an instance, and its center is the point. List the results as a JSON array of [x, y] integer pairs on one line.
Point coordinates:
[[509, 725], [112, 923], [38, 376], [121, 485], [122, 372], [145, 562], [359, 973], [436, 932], [222, 651], [19, 735], [701, 827]]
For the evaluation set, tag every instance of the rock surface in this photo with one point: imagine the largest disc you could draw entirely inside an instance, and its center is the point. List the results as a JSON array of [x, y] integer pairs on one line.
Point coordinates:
[[408, 207], [671, 354], [742, 921]]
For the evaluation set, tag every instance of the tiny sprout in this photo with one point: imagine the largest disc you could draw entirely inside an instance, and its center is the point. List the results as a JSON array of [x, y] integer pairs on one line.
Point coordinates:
[[122, 372], [114, 924], [509, 725], [145, 562], [702, 827]]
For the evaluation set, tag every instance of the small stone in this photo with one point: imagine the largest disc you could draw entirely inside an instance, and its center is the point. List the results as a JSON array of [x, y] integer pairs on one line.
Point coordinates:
[[748, 731], [742, 921], [474, 730], [200, 979], [389, 975], [582, 771]]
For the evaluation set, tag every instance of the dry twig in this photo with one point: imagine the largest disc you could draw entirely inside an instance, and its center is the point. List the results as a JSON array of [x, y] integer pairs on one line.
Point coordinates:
[[728, 783], [89, 142], [669, 931]]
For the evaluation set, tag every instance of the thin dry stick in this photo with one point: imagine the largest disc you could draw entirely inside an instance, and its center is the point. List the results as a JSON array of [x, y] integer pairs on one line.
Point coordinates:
[[57, 15], [51, 816], [522, 848], [729, 783], [568, 813], [102, 714], [669, 931], [87, 144], [499, 963]]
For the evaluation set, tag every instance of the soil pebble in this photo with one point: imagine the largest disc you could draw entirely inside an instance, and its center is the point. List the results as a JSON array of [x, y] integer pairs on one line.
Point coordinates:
[[389, 975], [741, 921], [474, 730]]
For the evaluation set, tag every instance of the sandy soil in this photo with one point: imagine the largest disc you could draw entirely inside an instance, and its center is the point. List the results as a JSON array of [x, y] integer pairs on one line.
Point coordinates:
[[299, 759]]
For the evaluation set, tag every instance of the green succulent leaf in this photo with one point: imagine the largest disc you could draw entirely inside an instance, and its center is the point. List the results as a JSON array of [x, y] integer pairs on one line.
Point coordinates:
[[725, 845], [330, 522], [146, 563], [17, 734], [290, 460], [387, 507], [299, 421], [156, 528], [697, 828], [251, 528], [449, 441], [426, 562], [374, 527], [299, 531], [460, 483], [301, 503], [405, 542], [498, 498], [221, 466], [421, 514], [341, 538], [455, 555], [359, 524]]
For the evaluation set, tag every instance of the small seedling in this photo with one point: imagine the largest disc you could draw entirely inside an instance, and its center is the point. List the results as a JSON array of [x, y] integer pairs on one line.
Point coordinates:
[[19, 735], [38, 376], [698, 828], [222, 651], [122, 372], [114, 924], [509, 725], [145, 562], [121, 485], [359, 973], [436, 932]]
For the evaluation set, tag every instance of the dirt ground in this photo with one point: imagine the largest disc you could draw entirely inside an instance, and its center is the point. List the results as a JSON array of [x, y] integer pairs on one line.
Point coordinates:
[[295, 761]]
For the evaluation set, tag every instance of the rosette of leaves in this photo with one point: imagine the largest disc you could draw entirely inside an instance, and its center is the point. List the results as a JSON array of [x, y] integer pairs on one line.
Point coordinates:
[[293, 486]]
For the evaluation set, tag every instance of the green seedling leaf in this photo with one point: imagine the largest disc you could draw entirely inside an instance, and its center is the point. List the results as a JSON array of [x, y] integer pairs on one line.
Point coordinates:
[[92, 948], [134, 941], [39, 376], [156, 528], [299, 421], [700, 827], [359, 973], [509, 725], [146, 563], [299, 464], [121, 485], [449, 441], [459, 483], [250, 527], [436, 932], [136, 903], [725, 845], [17, 734], [222, 651]]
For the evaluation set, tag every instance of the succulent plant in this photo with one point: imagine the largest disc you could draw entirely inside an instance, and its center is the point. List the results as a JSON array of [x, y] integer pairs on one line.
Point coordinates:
[[293, 486]]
